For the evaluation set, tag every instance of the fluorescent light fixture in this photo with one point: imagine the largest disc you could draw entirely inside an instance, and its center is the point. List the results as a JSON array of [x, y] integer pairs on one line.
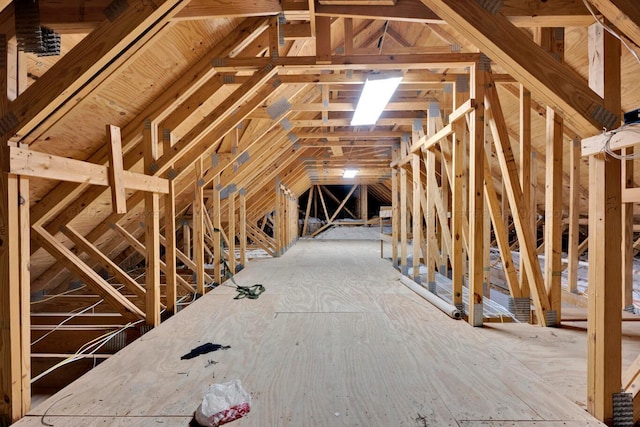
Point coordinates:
[[375, 95], [350, 173]]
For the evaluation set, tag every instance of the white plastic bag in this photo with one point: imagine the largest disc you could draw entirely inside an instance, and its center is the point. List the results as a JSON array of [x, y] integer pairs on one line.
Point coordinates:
[[223, 403]]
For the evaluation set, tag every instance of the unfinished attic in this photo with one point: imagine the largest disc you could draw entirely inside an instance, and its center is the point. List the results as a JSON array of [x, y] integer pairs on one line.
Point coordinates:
[[180, 174]]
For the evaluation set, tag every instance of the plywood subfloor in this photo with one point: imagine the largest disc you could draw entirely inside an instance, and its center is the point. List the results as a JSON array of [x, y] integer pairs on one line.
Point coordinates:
[[336, 340]]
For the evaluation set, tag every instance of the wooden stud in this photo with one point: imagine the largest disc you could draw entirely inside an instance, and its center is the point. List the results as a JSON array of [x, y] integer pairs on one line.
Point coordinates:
[[25, 291], [416, 214], [395, 208], [574, 216], [243, 227], [217, 225], [403, 221], [170, 247], [604, 330], [432, 257], [348, 36], [308, 211], [627, 235], [198, 228], [10, 317], [232, 231], [186, 239], [553, 212], [457, 214], [116, 182], [323, 39], [364, 202], [152, 228], [476, 198], [525, 177]]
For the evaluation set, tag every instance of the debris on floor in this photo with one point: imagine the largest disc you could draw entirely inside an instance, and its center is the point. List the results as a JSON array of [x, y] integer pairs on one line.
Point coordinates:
[[204, 349], [223, 403]]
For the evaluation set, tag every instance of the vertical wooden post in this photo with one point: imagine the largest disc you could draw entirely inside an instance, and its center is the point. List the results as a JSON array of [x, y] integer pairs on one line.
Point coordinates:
[[525, 178], [348, 36], [10, 299], [574, 215], [152, 227], [553, 216], [627, 236], [403, 221], [15, 333], [217, 232], [186, 239], [25, 291], [444, 194], [432, 246], [457, 215], [198, 228], [232, 232], [170, 246], [604, 329], [277, 223], [416, 215], [486, 253], [476, 197], [323, 39], [243, 226], [364, 202], [305, 225], [395, 207]]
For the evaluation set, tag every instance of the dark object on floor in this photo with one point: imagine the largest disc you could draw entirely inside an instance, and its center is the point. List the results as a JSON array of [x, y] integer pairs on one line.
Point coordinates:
[[204, 349], [251, 292]]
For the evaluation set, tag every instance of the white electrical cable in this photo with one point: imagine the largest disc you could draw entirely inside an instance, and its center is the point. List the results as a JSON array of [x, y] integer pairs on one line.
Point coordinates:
[[611, 31], [65, 321], [606, 148], [90, 347]]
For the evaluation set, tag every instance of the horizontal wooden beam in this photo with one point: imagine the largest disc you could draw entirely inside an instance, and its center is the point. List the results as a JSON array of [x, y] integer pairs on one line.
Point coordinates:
[[624, 138], [352, 62], [555, 13], [41, 165], [348, 143]]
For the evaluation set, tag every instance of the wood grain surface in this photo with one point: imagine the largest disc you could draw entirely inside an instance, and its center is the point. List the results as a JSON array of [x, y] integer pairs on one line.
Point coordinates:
[[334, 341]]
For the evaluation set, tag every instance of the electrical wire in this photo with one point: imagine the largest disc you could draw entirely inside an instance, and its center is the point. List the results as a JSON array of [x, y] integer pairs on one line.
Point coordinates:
[[90, 347], [57, 295], [609, 134], [611, 31], [66, 320]]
